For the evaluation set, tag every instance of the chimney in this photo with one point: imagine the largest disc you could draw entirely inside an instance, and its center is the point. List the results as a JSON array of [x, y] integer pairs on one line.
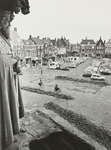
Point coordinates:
[[38, 37], [30, 36], [15, 29], [109, 40]]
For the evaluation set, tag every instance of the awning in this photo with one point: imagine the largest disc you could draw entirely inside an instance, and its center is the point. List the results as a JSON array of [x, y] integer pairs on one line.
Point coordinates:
[[27, 57], [34, 58]]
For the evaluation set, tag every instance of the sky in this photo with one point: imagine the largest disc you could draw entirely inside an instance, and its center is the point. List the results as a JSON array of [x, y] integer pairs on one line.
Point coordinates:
[[73, 19]]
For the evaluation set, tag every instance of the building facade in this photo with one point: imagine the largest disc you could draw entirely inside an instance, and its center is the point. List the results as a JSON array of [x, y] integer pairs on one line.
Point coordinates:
[[39, 45], [108, 48], [100, 48], [87, 48], [30, 50], [17, 44], [75, 49]]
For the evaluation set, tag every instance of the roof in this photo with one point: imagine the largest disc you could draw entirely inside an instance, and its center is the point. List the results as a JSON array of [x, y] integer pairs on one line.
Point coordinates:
[[59, 43], [53, 42], [87, 41], [28, 42], [109, 42], [64, 41], [47, 40], [37, 41], [16, 40], [100, 42]]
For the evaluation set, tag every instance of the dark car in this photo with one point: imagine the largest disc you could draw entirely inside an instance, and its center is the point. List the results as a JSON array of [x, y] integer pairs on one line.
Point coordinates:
[[65, 68], [44, 63], [87, 73], [105, 71]]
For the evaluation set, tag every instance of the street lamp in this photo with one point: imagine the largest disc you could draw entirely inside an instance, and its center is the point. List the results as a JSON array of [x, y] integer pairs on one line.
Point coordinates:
[[41, 55]]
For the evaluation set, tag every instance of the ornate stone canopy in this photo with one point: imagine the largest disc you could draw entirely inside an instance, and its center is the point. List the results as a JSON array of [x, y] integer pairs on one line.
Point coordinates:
[[15, 6]]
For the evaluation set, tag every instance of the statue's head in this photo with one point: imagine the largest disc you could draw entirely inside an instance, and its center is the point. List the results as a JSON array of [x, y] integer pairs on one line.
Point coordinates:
[[7, 8], [5, 19]]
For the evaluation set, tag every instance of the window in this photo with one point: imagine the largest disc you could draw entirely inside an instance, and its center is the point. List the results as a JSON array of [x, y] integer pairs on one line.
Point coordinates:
[[83, 46]]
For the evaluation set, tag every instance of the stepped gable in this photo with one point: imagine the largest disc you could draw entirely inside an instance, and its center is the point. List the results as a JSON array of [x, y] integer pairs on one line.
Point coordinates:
[[100, 42]]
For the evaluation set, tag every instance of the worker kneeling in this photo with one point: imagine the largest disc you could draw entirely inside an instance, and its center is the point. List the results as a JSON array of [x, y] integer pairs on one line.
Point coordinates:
[[57, 89]]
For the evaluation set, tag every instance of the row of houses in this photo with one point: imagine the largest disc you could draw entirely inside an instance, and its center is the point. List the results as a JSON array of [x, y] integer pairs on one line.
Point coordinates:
[[88, 47], [35, 48]]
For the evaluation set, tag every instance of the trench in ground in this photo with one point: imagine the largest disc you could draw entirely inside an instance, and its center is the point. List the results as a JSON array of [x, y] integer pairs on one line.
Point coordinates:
[[60, 141]]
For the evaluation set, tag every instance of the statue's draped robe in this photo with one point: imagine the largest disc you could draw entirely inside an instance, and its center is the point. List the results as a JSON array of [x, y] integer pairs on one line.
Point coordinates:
[[11, 104]]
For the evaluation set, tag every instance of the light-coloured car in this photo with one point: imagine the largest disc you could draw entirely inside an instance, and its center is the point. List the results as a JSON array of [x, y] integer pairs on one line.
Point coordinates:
[[54, 65], [72, 65], [97, 77]]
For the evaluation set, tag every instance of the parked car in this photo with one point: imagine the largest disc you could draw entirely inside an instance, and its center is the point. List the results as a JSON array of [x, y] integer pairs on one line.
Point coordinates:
[[65, 68], [87, 73], [44, 63], [54, 65], [71, 58], [72, 65], [97, 77], [105, 71]]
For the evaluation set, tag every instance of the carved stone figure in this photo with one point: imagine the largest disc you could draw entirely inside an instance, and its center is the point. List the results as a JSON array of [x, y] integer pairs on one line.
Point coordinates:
[[11, 103]]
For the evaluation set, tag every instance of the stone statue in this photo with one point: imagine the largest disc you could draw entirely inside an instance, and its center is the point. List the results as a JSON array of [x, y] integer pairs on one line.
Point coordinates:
[[11, 103]]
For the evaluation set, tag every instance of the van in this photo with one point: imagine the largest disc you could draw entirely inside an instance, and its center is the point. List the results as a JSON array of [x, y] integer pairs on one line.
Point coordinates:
[[54, 65], [71, 58]]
